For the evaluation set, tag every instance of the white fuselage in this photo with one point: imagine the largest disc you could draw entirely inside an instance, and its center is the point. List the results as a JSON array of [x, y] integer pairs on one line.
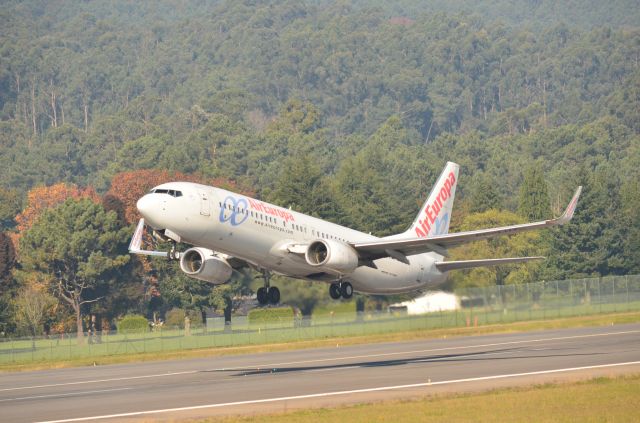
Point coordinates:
[[262, 235]]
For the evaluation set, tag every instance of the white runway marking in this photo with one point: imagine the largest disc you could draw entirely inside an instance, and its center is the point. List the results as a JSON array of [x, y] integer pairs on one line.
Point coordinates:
[[324, 360], [336, 393], [71, 394], [115, 379]]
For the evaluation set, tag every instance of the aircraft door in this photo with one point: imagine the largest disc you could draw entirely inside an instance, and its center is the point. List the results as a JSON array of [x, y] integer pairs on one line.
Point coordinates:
[[205, 206]]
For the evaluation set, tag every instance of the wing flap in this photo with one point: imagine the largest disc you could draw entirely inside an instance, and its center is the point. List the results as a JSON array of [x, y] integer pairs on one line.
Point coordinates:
[[445, 266]]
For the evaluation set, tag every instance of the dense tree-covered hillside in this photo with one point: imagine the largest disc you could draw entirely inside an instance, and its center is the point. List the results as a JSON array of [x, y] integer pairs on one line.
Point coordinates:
[[343, 110]]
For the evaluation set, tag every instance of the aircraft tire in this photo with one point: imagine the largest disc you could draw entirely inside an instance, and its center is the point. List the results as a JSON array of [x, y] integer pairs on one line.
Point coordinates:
[[334, 291], [273, 295], [346, 289], [262, 296]]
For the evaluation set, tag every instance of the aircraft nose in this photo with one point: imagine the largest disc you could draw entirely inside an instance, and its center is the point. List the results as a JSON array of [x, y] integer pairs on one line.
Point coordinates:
[[145, 206]]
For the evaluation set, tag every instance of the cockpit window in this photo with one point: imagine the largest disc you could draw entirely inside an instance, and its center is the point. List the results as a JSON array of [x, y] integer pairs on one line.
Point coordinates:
[[171, 192]]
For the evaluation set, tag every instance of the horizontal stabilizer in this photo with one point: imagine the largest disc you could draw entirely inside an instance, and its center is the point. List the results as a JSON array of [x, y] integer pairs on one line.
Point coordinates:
[[445, 266]]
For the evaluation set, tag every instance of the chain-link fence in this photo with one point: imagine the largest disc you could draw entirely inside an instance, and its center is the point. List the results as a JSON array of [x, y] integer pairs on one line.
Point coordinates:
[[478, 306]]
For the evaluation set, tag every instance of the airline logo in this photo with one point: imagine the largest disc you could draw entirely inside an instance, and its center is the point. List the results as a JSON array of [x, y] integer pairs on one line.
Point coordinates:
[[235, 206], [429, 219]]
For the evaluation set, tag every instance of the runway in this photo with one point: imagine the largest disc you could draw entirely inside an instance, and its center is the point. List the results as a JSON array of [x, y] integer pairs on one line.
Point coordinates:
[[273, 382]]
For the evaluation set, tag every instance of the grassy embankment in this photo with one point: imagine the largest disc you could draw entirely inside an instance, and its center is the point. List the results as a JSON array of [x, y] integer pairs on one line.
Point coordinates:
[[595, 400], [401, 335], [329, 324]]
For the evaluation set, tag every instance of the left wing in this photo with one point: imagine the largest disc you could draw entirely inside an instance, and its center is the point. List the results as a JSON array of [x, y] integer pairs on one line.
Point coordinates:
[[440, 243]]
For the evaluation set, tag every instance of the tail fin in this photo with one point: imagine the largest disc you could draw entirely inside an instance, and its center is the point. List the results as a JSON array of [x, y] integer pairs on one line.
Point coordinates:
[[435, 213]]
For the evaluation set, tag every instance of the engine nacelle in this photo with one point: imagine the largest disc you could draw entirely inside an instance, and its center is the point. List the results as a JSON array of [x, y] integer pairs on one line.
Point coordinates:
[[202, 264], [334, 256]]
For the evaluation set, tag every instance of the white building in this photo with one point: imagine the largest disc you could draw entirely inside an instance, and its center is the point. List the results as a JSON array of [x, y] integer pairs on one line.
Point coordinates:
[[430, 302]]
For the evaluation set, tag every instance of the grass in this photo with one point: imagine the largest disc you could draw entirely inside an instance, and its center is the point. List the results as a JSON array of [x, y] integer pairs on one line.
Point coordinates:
[[17, 353], [407, 333], [595, 400]]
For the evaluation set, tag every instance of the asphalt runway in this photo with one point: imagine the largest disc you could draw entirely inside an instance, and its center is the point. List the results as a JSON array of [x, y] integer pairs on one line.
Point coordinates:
[[274, 382]]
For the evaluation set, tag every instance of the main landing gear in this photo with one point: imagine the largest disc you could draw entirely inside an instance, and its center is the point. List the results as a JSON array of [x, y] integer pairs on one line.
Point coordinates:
[[268, 294], [341, 289]]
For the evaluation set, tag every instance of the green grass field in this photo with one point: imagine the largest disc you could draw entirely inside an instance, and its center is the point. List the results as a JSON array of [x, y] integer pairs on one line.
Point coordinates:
[[596, 400], [323, 325]]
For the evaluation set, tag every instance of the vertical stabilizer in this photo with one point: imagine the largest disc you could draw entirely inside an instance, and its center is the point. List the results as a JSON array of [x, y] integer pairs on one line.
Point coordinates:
[[435, 214]]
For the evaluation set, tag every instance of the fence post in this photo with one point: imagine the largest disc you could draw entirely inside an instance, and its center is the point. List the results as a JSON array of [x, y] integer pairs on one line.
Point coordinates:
[[529, 300], [613, 294], [557, 298], [626, 280], [599, 295], [571, 297], [544, 303]]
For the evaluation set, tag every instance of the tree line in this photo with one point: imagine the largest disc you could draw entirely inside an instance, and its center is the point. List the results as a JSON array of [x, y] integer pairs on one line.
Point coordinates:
[[345, 112]]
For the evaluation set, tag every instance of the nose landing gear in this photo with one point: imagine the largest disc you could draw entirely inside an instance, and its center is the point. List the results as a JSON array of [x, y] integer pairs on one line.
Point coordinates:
[[341, 289], [268, 294]]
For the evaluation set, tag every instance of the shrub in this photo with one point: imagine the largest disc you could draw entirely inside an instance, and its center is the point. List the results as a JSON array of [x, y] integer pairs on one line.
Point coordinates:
[[174, 318], [270, 316], [133, 323]]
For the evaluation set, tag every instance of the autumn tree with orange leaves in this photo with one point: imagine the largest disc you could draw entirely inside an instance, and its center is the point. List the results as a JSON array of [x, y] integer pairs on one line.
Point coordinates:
[[42, 198]]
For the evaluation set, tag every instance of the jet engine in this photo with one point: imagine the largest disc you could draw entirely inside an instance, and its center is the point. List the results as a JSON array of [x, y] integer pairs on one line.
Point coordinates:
[[334, 256], [202, 264]]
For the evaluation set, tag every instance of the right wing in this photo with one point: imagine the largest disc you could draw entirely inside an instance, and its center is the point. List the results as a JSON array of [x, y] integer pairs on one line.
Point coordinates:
[[405, 247], [136, 242]]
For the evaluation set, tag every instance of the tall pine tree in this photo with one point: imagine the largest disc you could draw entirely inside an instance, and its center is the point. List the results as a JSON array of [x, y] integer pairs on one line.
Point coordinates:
[[484, 195], [534, 196]]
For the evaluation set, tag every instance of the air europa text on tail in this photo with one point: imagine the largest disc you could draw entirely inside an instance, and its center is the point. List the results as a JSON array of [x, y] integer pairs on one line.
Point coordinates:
[[432, 210]]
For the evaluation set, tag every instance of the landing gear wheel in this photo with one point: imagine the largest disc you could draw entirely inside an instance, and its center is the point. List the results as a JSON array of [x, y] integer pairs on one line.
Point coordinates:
[[262, 295], [274, 295], [334, 291], [346, 290]]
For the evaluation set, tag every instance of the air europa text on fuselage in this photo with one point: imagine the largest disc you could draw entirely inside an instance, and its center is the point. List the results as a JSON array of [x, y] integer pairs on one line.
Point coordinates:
[[432, 210], [264, 208]]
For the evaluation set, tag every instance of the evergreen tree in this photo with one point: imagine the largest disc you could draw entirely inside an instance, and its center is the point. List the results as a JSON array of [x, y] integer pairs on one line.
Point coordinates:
[[7, 282], [533, 201], [77, 247], [484, 195], [592, 244]]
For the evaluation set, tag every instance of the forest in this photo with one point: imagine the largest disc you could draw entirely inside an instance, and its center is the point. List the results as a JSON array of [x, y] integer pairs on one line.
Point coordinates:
[[343, 110]]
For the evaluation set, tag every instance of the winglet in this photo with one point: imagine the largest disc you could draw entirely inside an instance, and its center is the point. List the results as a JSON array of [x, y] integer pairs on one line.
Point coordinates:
[[571, 208]]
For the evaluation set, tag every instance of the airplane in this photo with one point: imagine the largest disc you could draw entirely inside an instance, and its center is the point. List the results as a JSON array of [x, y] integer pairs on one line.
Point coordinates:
[[229, 231]]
